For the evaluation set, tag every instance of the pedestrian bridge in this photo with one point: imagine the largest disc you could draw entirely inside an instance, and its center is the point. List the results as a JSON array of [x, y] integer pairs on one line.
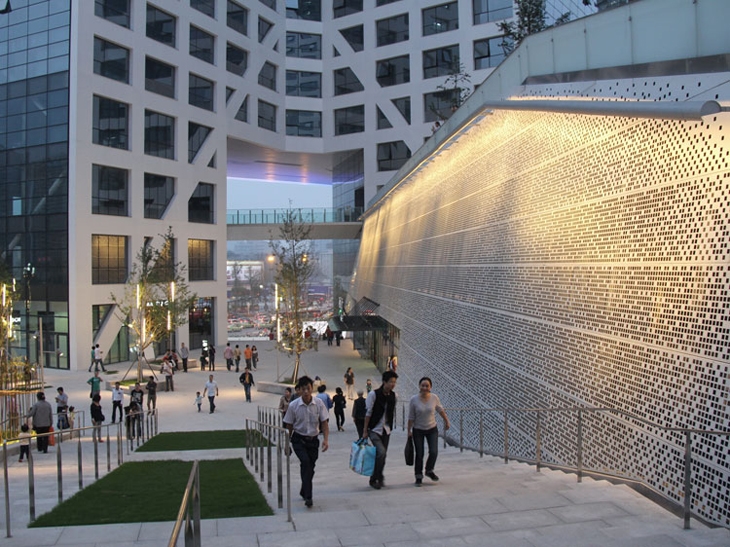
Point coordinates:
[[264, 224]]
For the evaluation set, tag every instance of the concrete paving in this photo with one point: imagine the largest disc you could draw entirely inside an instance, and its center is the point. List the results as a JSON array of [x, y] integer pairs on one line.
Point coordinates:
[[478, 501]]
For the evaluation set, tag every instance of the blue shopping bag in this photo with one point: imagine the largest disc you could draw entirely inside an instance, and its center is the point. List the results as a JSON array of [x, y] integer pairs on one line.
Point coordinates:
[[362, 457]]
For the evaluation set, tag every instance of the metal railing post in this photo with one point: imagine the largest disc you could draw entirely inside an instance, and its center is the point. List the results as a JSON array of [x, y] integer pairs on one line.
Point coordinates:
[[481, 434], [80, 464], [279, 474], [687, 479], [59, 471], [461, 431], [579, 448], [7, 489], [538, 443], [268, 458], [31, 484], [506, 436]]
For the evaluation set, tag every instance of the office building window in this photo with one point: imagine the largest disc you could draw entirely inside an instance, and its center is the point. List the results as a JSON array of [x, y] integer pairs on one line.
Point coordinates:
[[441, 62], [403, 105], [491, 10], [264, 28], [108, 259], [111, 123], [201, 92], [394, 71], [392, 30], [201, 205], [488, 52], [200, 260], [383, 121], [346, 82], [303, 84], [197, 135], [350, 120], [202, 45], [160, 26], [237, 17], [236, 59], [354, 37], [242, 114], [267, 76], [204, 6], [303, 46], [303, 123], [267, 116], [158, 193], [439, 105], [441, 18], [159, 77], [392, 155], [269, 4], [159, 135], [308, 10], [111, 60], [109, 194], [385, 2], [116, 11], [341, 8]]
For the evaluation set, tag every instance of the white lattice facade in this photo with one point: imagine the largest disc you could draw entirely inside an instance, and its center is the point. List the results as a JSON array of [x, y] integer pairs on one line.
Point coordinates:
[[545, 259]]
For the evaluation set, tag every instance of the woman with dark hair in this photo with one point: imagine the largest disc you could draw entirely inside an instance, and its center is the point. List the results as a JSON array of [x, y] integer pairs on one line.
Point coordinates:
[[97, 418], [340, 403], [422, 426]]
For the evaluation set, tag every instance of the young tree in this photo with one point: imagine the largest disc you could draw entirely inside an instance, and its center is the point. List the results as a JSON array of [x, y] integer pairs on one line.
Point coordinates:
[[293, 271], [454, 91], [156, 298], [530, 15]]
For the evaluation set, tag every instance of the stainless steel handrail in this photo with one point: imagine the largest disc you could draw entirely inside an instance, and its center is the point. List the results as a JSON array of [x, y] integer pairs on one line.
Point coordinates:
[[579, 467], [277, 437], [189, 512], [73, 433]]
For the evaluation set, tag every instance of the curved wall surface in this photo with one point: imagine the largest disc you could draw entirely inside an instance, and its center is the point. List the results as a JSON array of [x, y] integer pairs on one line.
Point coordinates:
[[542, 259]]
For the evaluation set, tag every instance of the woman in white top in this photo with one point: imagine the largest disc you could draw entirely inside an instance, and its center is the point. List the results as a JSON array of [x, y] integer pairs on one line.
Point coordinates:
[[422, 425]]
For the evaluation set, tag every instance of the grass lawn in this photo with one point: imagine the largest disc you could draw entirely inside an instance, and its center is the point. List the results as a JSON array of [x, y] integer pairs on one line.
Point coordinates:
[[199, 440], [152, 492]]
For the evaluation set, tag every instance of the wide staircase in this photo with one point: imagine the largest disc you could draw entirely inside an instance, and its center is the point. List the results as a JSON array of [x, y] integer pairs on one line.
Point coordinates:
[[478, 501]]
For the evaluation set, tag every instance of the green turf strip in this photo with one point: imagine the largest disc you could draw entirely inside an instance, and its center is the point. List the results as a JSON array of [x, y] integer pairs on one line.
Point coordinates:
[[199, 440], [152, 492]]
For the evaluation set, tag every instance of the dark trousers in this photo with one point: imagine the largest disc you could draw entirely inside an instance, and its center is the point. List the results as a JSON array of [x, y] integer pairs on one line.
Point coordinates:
[[185, 364], [238, 363], [307, 450], [211, 400], [117, 405], [42, 442], [247, 389], [381, 451], [169, 385], [340, 417], [360, 425], [432, 437]]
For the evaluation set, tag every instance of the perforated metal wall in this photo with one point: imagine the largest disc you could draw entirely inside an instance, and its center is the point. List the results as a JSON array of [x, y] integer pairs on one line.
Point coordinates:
[[550, 259]]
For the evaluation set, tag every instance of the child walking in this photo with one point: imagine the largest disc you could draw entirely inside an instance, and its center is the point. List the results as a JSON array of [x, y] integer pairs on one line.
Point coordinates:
[[24, 438], [198, 400]]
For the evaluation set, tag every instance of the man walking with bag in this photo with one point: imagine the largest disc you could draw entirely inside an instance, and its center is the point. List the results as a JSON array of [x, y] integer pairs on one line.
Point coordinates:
[[305, 418], [379, 422]]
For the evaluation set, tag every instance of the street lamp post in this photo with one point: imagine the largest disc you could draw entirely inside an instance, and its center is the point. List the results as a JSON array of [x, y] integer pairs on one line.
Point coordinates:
[[28, 275]]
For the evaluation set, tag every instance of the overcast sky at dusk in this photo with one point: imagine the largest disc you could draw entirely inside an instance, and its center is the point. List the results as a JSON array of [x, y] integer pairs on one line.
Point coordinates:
[[255, 194]]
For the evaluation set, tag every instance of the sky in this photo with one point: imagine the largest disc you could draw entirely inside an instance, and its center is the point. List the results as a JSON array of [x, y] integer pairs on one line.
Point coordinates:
[[256, 194]]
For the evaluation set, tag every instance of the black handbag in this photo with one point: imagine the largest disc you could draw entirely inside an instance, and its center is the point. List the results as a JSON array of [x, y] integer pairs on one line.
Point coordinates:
[[409, 451]]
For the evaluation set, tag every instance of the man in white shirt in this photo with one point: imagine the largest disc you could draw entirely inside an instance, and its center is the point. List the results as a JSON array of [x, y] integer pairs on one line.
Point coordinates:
[[305, 419], [211, 389], [117, 402]]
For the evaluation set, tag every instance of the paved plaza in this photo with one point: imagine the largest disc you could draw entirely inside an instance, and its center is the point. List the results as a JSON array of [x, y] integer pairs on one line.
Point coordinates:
[[478, 501]]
